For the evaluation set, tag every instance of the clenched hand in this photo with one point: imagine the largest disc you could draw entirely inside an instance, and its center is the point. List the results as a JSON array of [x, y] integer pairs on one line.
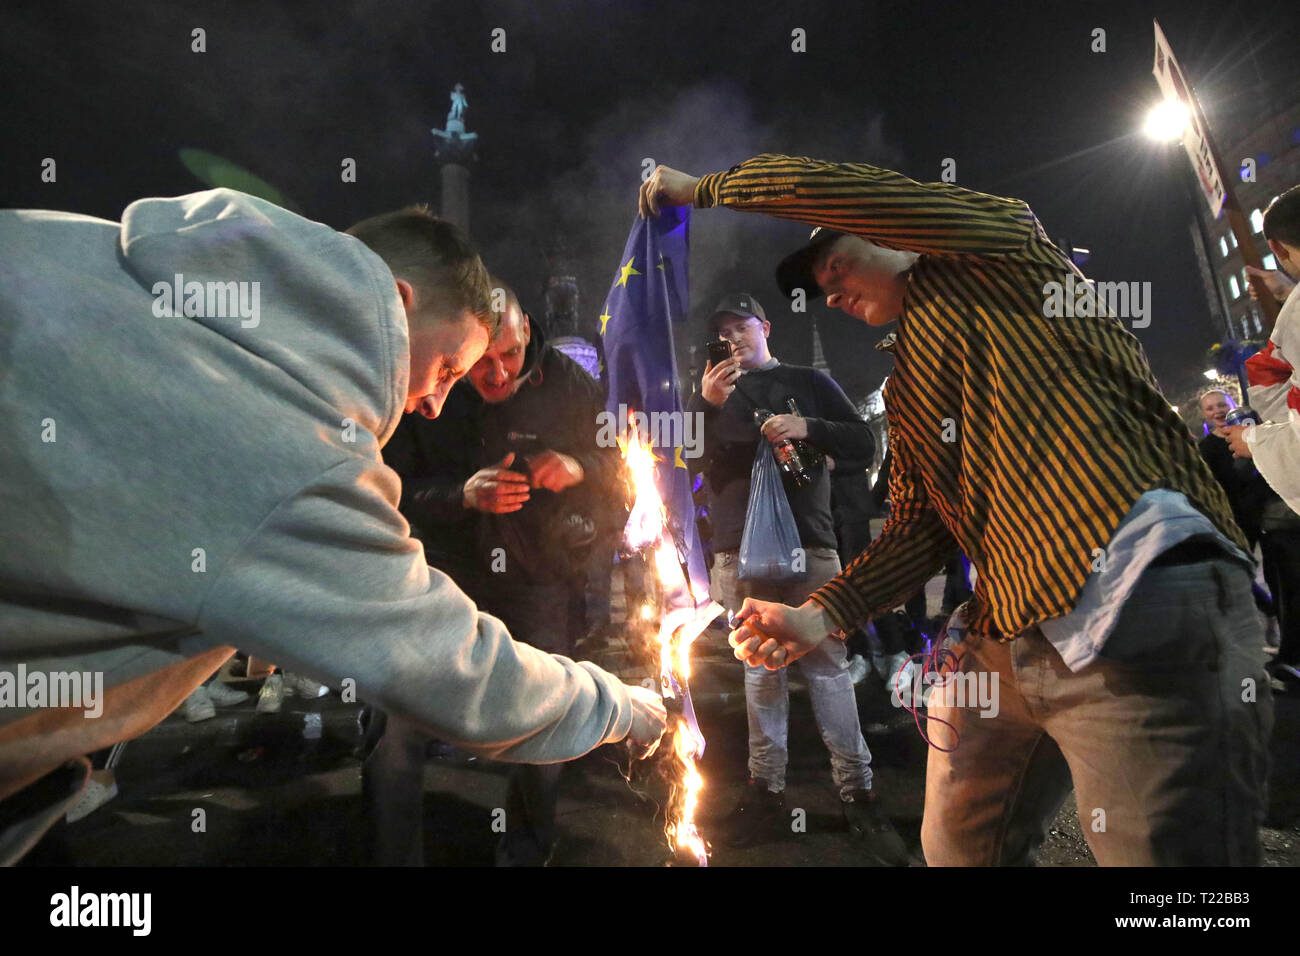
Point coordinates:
[[554, 471], [780, 427], [1278, 283], [775, 635], [649, 718], [666, 187]]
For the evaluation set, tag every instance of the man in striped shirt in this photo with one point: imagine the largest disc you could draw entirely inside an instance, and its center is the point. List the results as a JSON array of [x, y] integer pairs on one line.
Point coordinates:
[[1111, 636]]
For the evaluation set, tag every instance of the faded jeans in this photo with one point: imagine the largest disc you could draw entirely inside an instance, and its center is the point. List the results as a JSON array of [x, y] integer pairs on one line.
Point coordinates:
[[767, 696], [1164, 737]]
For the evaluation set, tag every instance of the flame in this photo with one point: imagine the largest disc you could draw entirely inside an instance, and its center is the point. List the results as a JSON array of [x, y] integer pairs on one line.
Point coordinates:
[[682, 834], [682, 620], [648, 518]]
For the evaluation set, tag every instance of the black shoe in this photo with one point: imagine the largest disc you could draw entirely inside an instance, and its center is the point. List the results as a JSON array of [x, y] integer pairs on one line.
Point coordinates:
[[872, 829], [759, 817]]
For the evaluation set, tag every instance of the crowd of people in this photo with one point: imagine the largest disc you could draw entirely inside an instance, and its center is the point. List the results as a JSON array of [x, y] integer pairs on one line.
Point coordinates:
[[331, 500]]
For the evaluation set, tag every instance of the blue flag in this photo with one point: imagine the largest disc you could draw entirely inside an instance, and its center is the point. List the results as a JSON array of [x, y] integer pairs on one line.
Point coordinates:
[[648, 297]]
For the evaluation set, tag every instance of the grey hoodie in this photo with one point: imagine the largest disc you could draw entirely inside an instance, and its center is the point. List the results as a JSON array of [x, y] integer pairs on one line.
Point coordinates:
[[172, 487]]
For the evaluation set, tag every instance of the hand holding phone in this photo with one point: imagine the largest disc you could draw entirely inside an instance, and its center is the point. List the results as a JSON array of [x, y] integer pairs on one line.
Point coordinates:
[[718, 381]]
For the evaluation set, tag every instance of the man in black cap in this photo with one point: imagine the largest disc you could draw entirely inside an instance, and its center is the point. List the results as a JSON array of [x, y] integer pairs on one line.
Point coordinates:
[[1111, 643], [730, 393]]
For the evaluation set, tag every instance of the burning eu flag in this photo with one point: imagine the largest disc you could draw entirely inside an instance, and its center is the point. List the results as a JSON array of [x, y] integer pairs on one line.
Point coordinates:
[[648, 297]]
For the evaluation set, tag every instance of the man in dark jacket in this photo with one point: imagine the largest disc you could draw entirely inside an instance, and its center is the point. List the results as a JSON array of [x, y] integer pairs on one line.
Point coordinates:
[[506, 487], [506, 490], [730, 392]]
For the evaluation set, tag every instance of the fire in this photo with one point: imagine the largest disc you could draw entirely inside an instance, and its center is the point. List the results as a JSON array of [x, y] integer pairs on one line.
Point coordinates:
[[682, 834], [682, 618]]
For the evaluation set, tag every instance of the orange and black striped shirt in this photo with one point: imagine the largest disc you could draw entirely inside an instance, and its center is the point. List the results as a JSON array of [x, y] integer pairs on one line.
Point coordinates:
[[1022, 439]]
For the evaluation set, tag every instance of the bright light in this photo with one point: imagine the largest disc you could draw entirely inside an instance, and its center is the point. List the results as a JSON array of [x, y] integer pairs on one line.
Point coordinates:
[[1211, 373], [1166, 121], [682, 619], [1174, 407]]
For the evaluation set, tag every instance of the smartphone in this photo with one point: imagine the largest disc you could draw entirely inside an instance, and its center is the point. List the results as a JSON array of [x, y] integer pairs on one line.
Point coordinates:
[[719, 351]]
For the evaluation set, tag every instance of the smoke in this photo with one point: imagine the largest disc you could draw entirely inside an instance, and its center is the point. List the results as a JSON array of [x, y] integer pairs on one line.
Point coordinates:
[[586, 210]]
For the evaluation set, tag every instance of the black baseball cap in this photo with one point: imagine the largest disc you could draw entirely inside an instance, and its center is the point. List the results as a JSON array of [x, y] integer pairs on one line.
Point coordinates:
[[796, 269], [740, 303]]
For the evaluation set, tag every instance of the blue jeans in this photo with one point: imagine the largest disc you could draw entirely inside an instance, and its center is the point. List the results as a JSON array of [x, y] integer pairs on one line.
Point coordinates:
[[767, 696]]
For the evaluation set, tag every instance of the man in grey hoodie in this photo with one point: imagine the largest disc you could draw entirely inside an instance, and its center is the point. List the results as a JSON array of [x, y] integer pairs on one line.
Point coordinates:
[[192, 404]]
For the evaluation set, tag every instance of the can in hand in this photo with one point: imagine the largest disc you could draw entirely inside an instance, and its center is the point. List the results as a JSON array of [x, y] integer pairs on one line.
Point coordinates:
[[1242, 415]]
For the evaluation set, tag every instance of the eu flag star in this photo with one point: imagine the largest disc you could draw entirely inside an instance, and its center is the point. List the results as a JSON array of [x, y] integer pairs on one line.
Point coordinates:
[[604, 318], [677, 458], [626, 272]]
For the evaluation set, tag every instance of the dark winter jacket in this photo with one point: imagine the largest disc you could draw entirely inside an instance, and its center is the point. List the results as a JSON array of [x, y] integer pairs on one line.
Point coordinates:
[[851, 498], [730, 438], [1248, 492], [556, 408]]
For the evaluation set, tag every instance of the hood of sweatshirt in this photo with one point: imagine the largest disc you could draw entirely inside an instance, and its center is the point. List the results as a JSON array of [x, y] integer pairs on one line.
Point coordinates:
[[236, 264]]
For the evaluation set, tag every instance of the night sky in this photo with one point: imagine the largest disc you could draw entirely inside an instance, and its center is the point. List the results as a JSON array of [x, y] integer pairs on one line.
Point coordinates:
[[586, 90]]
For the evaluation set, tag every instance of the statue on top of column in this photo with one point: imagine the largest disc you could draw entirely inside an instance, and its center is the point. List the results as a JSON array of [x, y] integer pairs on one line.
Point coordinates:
[[454, 144], [458, 103]]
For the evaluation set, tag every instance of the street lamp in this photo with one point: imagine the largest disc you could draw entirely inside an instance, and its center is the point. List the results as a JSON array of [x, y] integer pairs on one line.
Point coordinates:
[[1165, 124], [1166, 121]]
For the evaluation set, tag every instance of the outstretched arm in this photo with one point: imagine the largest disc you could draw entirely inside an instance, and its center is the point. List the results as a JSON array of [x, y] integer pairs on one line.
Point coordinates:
[[877, 204], [333, 586]]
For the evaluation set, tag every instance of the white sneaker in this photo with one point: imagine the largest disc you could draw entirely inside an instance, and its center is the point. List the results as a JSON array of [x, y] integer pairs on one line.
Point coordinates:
[[304, 686], [271, 695], [224, 696], [892, 664], [91, 799], [858, 668], [198, 706], [902, 686]]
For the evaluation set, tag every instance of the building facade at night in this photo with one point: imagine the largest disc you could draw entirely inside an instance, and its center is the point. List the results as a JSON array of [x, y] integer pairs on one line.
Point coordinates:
[[1263, 154]]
